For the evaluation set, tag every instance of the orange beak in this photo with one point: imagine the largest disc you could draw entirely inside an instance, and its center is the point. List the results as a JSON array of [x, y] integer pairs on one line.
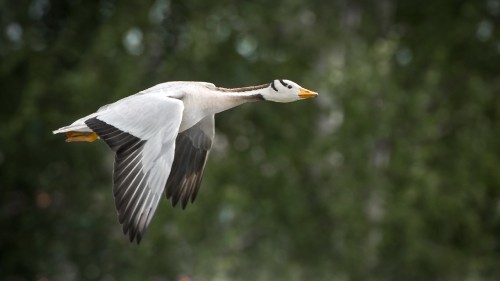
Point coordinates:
[[306, 94]]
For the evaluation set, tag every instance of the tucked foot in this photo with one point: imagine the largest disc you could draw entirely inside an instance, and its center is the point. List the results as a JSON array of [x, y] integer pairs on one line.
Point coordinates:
[[81, 136]]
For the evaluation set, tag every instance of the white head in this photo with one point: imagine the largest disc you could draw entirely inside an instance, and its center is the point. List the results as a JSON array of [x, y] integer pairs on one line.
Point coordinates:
[[286, 91]]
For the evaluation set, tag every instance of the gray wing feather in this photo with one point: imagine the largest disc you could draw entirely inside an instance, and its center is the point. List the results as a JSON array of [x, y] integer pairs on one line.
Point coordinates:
[[192, 147], [142, 135]]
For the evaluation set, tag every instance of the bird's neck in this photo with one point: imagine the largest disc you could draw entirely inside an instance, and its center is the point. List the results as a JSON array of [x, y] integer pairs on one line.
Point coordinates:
[[227, 98], [204, 101]]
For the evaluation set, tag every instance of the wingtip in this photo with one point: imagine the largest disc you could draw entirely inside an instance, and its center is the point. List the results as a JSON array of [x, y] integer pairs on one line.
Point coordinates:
[[134, 235], [131, 235], [174, 200]]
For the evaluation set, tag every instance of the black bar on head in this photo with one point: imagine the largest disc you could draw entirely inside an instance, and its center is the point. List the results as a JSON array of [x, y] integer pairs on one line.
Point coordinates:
[[274, 87], [283, 83]]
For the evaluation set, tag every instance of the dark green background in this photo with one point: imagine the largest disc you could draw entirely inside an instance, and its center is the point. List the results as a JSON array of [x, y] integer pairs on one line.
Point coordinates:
[[393, 173]]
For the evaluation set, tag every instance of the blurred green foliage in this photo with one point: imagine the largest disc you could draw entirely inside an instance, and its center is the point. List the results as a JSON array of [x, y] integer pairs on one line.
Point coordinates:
[[392, 174]]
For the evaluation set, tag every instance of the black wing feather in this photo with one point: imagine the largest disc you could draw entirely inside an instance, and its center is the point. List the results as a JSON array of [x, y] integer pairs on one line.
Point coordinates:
[[191, 150]]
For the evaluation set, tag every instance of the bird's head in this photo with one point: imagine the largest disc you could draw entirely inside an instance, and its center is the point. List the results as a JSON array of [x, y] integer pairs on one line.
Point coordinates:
[[287, 91]]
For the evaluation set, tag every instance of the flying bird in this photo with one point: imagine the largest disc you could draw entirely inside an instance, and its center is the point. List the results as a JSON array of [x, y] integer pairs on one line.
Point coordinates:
[[161, 137]]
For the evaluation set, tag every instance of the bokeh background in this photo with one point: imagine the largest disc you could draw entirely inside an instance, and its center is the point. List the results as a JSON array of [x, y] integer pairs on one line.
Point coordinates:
[[393, 173]]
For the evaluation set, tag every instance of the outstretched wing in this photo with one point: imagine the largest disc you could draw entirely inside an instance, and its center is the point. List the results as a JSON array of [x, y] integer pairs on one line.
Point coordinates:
[[142, 131], [191, 151]]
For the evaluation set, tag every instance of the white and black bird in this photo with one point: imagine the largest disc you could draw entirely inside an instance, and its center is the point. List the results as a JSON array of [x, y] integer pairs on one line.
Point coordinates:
[[161, 137]]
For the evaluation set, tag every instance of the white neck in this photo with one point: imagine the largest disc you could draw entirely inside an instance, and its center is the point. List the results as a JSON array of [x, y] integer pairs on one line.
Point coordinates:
[[210, 101], [225, 99]]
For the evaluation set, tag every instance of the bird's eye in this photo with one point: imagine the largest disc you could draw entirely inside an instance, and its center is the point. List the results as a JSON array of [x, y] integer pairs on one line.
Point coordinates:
[[289, 87]]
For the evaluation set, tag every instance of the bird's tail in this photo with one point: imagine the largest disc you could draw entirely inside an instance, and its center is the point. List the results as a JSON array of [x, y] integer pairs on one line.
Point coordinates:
[[77, 126], [77, 132], [73, 128]]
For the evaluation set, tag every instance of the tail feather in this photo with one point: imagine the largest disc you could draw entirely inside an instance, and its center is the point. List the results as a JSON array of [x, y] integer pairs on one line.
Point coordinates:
[[75, 128]]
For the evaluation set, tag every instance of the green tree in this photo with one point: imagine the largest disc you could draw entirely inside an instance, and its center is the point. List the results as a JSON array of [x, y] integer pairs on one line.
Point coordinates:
[[391, 174]]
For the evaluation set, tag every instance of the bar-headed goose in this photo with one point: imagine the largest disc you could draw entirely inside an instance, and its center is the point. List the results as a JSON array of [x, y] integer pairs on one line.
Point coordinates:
[[161, 137]]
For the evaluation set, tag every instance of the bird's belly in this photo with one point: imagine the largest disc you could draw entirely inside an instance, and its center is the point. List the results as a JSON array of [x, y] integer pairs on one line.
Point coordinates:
[[195, 109], [189, 120]]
